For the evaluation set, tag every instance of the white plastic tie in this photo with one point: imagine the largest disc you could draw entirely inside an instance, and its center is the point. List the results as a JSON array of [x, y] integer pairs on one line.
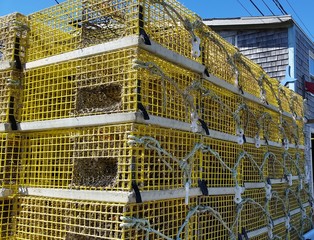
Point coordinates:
[[286, 144], [187, 192], [268, 191], [196, 52], [287, 223], [194, 119], [257, 141], [290, 179], [238, 191]]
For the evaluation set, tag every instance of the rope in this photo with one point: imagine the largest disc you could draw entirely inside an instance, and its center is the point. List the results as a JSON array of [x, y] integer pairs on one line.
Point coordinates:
[[155, 70], [143, 224]]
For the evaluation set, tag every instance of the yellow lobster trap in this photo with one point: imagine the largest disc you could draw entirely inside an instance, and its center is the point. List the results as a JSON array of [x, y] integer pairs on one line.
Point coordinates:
[[75, 24], [10, 165], [10, 96], [120, 81], [8, 212], [13, 39]]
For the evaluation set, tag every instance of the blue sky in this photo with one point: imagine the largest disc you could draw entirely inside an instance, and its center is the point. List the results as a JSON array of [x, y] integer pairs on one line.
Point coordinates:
[[205, 8]]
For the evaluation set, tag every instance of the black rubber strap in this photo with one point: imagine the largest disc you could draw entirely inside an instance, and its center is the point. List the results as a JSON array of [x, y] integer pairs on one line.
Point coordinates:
[[143, 34], [11, 114], [244, 139], [240, 236], [143, 110], [204, 126], [268, 181], [206, 72], [244, 233], [137, 192], [241, 89], [17, 60], [203, 186]]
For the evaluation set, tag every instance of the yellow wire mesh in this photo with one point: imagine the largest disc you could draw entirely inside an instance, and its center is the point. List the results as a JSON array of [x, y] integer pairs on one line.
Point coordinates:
[[216, 53], [218, 108], [10, 165], [80, 23], [13, 38], [276, 168], [7, 215], [252, 163], [211, 168], [277, 204], [52, 218], [10, 94], [165, 216], [101, 158], [270, 123], [105, 83], [209, 227], [252, 217]]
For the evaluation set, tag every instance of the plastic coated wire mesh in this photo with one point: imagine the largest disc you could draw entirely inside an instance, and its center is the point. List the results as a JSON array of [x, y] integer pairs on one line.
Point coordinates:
[[217, 108], [250, 119], [102, 158], [10, 165], [211, 168], [277, 204], [269, 122], [13, 39], [7, 214], [252, 217], [253, 157], [165, 216], [279, 231], [80, 23], [215, 51], [10, 95], [209, 227], [106, 83], [52, 218], [276, 168]]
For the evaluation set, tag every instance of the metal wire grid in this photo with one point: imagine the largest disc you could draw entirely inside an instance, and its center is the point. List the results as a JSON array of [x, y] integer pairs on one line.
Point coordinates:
[[270, 123], [13, 38], [211, 168], [252, 162], [10, 164], [249, 74], [166, 216], [155, 170], [106, 83], [89, 158], [215, 56], [53, 218], [252, 217], [279, 231], [217, 108], [277, 204], [292, 161], [162, 96], [7, 213], [80, 23], [251, 119], [10, 95], [275, 162], [207, 225]]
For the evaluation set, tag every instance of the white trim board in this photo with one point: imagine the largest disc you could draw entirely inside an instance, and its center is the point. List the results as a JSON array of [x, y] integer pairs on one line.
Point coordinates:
[[278, 221], [129, 197], [132, 117]]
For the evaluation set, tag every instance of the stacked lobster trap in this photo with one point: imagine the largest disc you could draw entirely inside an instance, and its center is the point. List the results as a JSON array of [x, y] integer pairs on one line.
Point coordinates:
[[134, 120]]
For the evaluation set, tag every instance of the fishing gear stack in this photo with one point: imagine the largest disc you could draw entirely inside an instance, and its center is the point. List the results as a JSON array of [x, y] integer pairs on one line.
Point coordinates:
[[137, 121]]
